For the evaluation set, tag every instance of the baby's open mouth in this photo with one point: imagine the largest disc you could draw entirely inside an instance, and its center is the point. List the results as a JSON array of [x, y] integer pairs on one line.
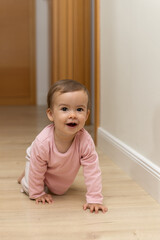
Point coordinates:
[[71, 124]]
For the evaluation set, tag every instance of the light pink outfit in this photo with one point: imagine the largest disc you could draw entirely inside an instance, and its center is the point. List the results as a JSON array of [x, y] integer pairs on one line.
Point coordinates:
[[47, 166]]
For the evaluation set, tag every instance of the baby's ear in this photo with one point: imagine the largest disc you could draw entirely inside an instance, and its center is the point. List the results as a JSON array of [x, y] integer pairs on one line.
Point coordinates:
[[88, 112], [50, 114]]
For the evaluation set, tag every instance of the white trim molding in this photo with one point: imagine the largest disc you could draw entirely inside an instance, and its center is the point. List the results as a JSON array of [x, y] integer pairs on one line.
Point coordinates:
[[139, 168]]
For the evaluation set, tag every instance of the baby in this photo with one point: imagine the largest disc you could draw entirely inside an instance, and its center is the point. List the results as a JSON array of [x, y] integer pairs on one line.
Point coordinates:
[[56, 154]]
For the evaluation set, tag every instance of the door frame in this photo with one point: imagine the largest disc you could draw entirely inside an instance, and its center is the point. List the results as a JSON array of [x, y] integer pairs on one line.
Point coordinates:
[[96, 67]]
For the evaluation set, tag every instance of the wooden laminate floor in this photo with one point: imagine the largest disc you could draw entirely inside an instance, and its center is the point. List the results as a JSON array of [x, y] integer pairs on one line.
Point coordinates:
[[132, 215]]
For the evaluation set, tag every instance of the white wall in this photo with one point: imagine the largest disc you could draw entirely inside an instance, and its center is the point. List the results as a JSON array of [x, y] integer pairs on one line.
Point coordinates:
[[130, 85], [42, 50]]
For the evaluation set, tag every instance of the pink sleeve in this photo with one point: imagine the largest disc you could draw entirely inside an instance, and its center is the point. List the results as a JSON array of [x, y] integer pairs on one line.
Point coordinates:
[[38, 167], [91, 171]]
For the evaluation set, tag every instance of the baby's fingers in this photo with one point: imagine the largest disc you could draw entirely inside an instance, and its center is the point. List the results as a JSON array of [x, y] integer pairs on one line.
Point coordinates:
[[104, 209], [85, 206], [40, 200], [92, 208], [49, 199], [45, 198], [89, 206], [95, 207]]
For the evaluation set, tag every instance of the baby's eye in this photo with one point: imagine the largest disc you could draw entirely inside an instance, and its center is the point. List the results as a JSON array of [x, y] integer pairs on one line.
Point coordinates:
[[80, 109], [64, 109]]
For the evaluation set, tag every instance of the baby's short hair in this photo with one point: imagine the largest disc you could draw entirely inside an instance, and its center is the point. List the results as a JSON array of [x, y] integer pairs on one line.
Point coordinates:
[[64, 86]]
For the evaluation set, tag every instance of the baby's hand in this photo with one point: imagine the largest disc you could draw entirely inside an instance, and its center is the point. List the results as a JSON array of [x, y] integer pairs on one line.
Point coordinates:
[[95, 207], [45, 198]]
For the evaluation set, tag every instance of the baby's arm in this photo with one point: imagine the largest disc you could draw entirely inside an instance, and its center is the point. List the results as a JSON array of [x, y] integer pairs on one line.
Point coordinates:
[[37, 171], [44, 198], [95, 207], [92, 175]]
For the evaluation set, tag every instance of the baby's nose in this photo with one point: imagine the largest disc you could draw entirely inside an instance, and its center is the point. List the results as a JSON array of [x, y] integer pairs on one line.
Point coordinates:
[[72, 114]]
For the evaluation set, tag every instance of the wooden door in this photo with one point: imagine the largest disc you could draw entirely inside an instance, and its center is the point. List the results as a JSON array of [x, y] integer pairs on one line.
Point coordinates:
[[71, 40], [17, 52]]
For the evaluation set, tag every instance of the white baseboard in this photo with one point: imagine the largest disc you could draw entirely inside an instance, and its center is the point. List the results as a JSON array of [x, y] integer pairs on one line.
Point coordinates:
[[139, 168]]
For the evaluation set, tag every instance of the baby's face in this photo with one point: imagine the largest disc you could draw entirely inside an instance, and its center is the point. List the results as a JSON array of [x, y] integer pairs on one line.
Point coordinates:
[[69, 112]]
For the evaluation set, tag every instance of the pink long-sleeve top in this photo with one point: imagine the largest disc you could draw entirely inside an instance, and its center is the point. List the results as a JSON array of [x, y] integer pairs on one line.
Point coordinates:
[[58, 170]]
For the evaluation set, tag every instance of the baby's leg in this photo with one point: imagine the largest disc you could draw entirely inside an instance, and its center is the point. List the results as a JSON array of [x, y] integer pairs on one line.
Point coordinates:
[[24, 179], [20, 177]]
